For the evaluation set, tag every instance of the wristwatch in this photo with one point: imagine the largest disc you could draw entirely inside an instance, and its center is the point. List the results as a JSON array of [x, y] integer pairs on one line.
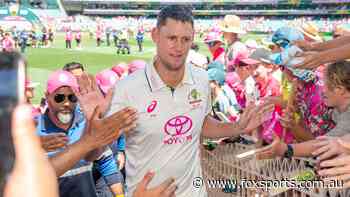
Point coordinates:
[[289, 152]]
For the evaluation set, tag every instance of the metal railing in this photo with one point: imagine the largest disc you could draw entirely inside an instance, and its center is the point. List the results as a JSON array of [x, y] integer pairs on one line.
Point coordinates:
[[221, 164]]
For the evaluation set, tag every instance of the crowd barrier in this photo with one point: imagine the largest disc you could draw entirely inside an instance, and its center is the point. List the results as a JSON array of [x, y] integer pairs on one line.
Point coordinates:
[[220, 165]]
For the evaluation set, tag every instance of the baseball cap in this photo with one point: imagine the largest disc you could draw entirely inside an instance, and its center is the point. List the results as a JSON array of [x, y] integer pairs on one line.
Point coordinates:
[[59, 79], [119, 70], [213, 36], [251, 44], [106, 80], [261, 55], [136, 65], [216, 74], [288, 59], [285, 35], [243, 56]]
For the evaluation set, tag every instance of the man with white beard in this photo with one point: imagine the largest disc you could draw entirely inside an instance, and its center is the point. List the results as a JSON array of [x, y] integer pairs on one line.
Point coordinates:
[[86, 134]]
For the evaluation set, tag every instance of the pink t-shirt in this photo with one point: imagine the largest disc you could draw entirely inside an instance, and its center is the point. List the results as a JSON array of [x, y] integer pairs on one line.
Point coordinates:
[[98, 34], [8, 44], [78, 35], [69, 35]]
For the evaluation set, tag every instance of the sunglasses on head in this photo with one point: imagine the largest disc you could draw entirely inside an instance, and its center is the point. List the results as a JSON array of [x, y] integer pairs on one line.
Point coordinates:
[[59, 98]]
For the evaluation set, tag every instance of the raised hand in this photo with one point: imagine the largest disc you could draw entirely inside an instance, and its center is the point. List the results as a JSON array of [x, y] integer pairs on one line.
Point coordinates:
[[304, 45], [287, 120], [311, 61], [254, 116], [90, 96], [276, 149], [337, 169], [166, 189], [328, 147], [53, 141], [101, 132]]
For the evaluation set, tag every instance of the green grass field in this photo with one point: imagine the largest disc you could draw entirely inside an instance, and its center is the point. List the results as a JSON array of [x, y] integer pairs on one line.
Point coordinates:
[[42, 61]]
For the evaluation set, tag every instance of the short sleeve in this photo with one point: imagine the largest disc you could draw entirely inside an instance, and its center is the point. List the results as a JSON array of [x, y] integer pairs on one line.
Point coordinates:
[[119, 99]]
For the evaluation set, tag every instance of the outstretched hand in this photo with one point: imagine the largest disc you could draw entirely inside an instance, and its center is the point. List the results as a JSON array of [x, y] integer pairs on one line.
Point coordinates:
[[90, 96]]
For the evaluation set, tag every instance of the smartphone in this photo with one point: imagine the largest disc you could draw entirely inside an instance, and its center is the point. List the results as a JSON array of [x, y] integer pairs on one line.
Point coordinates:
[[12, 87]]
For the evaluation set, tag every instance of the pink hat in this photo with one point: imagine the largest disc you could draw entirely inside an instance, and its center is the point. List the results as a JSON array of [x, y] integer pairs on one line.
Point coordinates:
[[215, 29], [213, 36], [251, 44], [243, 56], [136, 65], [119, 70], [106, 80], [59, 79]]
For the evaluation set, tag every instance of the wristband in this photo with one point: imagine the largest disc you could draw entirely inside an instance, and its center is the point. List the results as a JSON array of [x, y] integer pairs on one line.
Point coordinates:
[[290, 151]]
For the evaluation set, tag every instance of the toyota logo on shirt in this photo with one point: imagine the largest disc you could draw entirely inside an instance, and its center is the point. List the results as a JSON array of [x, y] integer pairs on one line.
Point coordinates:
[[178, 126]]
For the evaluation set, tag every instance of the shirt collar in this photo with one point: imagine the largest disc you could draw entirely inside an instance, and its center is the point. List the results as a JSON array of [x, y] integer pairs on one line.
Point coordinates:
[[155, 82]]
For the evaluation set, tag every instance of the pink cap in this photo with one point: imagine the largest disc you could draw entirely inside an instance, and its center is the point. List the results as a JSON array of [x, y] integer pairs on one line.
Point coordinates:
[[243, 56], [215, 29], [136, 65], [213, 36], [59, 79], [119, 70], [106, 80]]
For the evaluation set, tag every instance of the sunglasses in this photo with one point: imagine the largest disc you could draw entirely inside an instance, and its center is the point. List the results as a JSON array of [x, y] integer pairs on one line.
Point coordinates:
[[242, 64], [211, 44], [59, 98]]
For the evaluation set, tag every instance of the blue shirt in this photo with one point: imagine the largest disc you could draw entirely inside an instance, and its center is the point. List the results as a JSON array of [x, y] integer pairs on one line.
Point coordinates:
[[139, 37], [45, 126], [118, 145]]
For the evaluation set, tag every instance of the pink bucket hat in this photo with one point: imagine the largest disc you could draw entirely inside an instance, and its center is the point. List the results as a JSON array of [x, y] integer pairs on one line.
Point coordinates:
[[59, 79], [106, 80], [136, 65]]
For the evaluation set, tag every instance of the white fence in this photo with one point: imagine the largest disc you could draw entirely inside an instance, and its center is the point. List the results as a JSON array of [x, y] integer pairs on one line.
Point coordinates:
[[221, 164]]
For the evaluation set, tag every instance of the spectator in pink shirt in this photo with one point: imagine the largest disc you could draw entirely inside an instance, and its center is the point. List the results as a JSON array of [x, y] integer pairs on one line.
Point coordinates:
[[69, 37], [78, 39], [98, 36], [8, 43], [214, 42]]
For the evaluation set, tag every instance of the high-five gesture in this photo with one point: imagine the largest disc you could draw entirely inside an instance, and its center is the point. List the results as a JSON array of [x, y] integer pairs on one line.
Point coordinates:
[[254, 116], [90, 96]]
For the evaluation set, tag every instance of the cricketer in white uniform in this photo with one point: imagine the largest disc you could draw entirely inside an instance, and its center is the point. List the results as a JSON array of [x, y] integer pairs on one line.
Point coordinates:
[[173, 102]]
